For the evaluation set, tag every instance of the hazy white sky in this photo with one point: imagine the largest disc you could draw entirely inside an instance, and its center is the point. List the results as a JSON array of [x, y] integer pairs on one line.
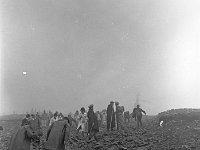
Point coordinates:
[[62, 55]]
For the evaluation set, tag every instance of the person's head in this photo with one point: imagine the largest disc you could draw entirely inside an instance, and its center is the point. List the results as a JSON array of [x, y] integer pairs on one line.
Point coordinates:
[[138, 106], [70, 115], [37, 114], [55, 114], [91, 107], [116, 103], [32, 116], [77, 112], [112, 103], [82, 110], [27, 115]]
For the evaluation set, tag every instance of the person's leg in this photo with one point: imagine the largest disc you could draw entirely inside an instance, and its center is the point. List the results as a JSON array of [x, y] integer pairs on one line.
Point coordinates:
[[137, 120], [95, 136], [117, 120], [141, 122], [82, 134], [91, 134], [108, 123], [121, 122]]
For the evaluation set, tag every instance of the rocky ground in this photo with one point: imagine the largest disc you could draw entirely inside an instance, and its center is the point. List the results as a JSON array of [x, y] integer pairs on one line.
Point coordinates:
[[9, 128], [174, 134]]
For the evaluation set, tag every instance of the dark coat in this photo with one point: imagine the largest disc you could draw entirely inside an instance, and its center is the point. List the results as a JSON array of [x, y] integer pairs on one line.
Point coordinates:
[[58, 132], [92, 121], [20, 140], [110, 111], [110, 116]]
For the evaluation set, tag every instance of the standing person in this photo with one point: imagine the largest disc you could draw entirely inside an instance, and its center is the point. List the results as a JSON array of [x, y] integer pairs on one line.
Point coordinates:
[[76, 115], [36, 130], [110, 116], [104, 116], [119, 116], [127, 116], [98, 114], [93, 127], [26, 120], [53, 119], [82, 120], [138, 115]]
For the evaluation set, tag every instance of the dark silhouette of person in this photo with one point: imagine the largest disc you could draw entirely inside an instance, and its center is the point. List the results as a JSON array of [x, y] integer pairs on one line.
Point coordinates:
[[138, 115], [93, 126], [110, 116]]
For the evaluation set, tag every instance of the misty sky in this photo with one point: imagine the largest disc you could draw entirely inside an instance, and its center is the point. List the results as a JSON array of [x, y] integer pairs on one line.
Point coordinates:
[[78, 52]]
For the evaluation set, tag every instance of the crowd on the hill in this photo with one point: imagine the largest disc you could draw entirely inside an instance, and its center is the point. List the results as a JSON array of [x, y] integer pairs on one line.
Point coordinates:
[[86, 123]]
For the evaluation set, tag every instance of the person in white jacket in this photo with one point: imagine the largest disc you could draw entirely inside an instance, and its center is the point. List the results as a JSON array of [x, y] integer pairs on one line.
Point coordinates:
[[54, 118], [82, 120]]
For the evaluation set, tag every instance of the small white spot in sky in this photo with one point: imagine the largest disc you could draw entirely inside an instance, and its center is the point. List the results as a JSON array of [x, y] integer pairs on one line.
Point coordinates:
[[24, 72]]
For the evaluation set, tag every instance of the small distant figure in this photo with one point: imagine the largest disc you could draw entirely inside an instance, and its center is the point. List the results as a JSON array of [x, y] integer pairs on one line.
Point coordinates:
[[104, 116], [76, 114], [1, 128], [72, 121], [32, 117], [26, 120], [119, 116], [37, 115], [126, 116], [53, 119], [82, 120], [110, 117], [137, 112], [98, 114], [93, 127]]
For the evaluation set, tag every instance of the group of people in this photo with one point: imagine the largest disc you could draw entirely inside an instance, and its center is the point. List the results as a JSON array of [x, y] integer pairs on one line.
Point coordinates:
[[116, 118], [58, 134]]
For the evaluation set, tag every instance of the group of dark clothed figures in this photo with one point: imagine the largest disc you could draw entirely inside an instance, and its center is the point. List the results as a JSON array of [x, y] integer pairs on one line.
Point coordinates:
[[116, 117], [58, 134]]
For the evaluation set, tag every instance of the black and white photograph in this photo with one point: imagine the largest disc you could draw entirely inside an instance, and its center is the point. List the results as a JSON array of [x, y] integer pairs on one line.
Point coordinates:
[[99, 74]]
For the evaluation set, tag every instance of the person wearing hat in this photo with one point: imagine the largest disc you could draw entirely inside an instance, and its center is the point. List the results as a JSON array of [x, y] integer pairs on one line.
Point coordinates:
[[110, 116], [82, 120], [93, 126]]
